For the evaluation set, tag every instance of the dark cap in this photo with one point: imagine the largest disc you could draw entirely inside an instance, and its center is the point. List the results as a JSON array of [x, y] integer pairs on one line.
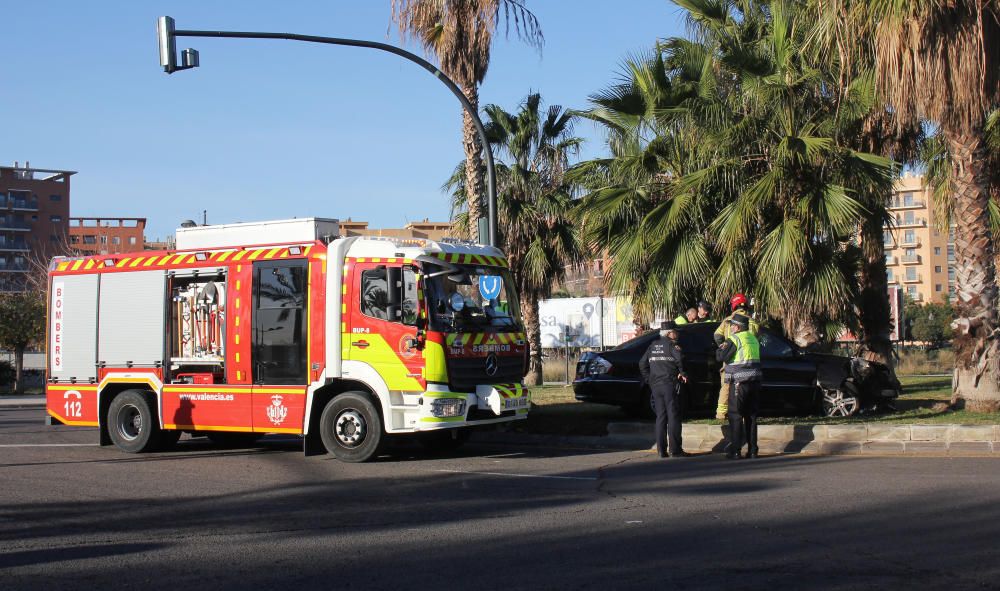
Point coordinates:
[[740, 320], [705, 305], [668, 325]]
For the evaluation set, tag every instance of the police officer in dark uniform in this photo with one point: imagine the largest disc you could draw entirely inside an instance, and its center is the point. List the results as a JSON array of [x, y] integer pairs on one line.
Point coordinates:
[[661, 368]]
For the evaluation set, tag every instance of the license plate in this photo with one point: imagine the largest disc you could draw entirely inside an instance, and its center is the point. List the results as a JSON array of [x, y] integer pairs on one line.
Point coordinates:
[[514, 403]]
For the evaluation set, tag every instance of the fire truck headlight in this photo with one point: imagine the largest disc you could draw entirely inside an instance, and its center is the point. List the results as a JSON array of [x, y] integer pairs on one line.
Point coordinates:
[[448, 407]]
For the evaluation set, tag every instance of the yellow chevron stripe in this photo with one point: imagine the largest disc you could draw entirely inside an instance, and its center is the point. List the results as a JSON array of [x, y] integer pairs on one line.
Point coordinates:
[[270, 254], [239, 256], [89, 265], [224, 255], [255, 254], [149, 261]]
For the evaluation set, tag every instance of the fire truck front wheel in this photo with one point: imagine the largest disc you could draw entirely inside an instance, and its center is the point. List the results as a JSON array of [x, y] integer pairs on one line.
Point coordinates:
[[132, 424], [351, 427]]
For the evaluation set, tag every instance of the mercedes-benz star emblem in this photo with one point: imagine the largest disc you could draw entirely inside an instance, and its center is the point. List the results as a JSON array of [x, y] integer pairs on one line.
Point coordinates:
[[492, 365]]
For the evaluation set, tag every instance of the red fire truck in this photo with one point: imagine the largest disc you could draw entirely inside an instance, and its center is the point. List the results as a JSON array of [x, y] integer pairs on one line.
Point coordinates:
[[283, 327]]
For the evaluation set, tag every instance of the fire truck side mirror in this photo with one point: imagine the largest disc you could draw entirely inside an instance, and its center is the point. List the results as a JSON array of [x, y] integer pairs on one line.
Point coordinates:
[[395, 276]]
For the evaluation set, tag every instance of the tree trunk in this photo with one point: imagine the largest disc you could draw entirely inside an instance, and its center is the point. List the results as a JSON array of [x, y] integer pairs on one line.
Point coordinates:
[[18, 370], [876, 324], [801, 327], [529, 311], [474, 184], [976, 349]]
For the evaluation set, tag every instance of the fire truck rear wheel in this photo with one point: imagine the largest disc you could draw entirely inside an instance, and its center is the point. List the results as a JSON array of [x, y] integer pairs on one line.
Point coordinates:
[[132, 423], [351, 427]]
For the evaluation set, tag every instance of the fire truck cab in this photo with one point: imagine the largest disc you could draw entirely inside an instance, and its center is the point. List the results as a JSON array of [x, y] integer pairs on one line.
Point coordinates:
[[283, 327]]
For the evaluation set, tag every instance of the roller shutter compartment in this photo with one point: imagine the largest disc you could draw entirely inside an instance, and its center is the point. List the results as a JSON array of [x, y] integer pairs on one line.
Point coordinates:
[[73, 328], [132, 316]]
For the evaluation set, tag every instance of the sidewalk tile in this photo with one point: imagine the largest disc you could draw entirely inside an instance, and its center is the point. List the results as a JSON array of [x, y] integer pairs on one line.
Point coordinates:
[[929, 432], [846, 432], [882, 447], [962, 433], [970, 447], [888, 432], [926, 447], [837, 448]]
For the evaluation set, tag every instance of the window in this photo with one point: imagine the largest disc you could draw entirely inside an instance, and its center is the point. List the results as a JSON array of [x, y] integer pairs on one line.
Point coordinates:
[[888, 275], [375, 294], [937, 287], [951, 273], [279, 337], [74, 239], [116, 240], [908, 218], [55, 197], [887, 237], [951, 253], [90, 239], [131, 240], [888, 259], [911, 273], [774, 346], [104, 239], [908, 200], [55, 219], [937, 250], [911, 292], [937, 268], [910, 253], [909, 237]]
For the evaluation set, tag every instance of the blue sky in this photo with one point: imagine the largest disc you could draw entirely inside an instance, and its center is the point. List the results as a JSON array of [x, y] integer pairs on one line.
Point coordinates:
[[273, 129]]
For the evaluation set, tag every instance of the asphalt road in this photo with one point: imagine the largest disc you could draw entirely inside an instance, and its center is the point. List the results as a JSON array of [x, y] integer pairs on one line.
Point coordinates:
[[77, 516]]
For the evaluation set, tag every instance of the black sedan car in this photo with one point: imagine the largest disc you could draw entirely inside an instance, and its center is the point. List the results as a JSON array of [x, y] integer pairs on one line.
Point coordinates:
[[795, 381]]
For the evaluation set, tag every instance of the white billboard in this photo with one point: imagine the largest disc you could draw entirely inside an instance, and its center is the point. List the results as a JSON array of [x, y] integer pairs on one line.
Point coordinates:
[[585, 322]]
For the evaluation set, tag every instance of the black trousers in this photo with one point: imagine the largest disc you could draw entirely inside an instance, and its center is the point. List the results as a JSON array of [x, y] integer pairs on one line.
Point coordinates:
[[666, 400], [744, 404]]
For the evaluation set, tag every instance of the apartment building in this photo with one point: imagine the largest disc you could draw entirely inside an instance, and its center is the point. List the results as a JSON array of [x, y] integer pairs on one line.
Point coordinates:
[[424, 229], [919, 255], [93, 235], [34, 211]]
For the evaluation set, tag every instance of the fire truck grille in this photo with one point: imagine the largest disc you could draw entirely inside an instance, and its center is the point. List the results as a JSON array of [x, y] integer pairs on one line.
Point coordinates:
[[466, 373]]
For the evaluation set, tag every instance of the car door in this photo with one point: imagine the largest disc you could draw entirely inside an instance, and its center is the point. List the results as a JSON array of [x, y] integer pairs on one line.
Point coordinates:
[[789, 379], [701, 392]]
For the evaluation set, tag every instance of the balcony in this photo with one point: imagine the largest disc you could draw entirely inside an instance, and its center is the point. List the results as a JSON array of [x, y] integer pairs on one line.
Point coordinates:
[[912, 259], [18, 204], [900, 204], [912, 223], [14, 246], [916, 278], [910, 242], [891, 260], [14, 225]]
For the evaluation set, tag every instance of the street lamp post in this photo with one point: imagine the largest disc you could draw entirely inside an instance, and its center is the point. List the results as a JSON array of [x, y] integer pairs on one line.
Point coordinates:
[[166, 34]]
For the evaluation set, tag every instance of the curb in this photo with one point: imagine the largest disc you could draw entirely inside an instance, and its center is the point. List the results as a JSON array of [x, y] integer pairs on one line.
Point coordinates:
[[22, 402]]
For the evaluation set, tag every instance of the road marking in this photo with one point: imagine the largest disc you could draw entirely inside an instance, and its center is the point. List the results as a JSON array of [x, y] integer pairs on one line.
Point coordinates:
[[49, 444], [512, 475]]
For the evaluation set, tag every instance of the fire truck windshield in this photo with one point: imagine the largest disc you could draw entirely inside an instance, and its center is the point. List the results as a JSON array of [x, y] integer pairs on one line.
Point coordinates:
[[473, 298]]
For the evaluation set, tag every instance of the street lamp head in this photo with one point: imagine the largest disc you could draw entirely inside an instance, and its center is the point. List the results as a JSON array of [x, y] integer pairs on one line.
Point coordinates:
[[168, 48]]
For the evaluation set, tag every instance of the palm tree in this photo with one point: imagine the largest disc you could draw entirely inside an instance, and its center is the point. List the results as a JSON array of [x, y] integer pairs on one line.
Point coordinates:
[[537, 231], [459, 34], [761, 195], [940, 62]]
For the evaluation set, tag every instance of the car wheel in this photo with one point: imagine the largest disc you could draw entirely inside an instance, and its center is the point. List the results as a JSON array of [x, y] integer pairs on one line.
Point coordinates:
[[351, 427], [132, 424], [840, 402]]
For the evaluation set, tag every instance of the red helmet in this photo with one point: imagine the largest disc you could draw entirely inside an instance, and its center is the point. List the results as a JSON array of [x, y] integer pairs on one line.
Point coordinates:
[[737, 300]]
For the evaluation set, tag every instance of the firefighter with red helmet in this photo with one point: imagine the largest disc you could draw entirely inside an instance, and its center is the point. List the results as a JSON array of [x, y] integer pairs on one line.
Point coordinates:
[[739, 305]]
